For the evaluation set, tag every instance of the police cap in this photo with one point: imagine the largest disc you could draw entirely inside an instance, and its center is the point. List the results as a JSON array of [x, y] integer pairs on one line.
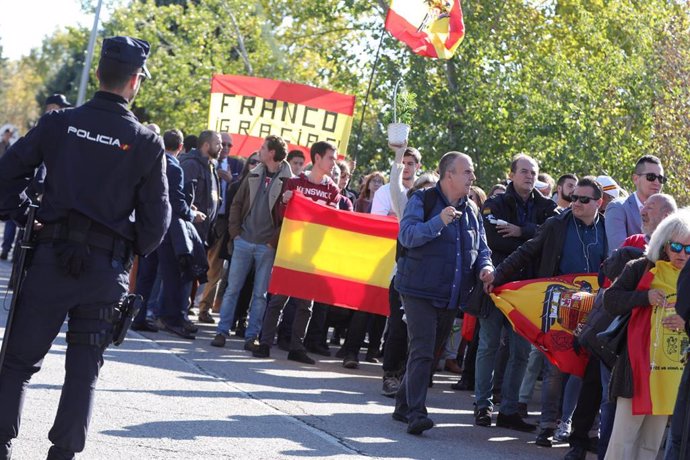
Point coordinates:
[[58, 99], [127, 50]]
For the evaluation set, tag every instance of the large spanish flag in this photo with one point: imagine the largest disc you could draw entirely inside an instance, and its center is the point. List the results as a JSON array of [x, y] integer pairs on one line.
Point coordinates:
[[546, 311], [431, 28], [251, 108], [656, 352], [335, 257]]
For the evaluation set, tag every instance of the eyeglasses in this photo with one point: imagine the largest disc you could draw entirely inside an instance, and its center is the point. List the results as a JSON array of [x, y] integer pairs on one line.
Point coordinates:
[[679, 247], [581, 198], [651, 177], [253, 162], [226, 144], [140, 74]]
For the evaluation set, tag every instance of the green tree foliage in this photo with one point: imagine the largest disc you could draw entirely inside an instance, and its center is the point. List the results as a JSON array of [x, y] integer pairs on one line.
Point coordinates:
[[585, 86]]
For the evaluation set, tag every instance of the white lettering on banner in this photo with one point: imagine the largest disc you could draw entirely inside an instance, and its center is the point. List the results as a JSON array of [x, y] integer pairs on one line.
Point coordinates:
[[99, 138]]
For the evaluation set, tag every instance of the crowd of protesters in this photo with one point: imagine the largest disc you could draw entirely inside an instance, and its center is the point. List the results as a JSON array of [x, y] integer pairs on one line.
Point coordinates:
[[214, 267]]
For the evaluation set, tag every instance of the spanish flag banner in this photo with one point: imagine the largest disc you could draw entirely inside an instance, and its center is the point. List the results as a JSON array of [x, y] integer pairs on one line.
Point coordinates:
[[431, 28], [252, 108], [336, 257], [546, 311], [655, 352]]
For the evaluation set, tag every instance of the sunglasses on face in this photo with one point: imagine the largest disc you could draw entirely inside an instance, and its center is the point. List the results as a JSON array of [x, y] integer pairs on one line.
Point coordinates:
[[651, 177], [226, 144], [253, 162], [679, 247], [581, 198]]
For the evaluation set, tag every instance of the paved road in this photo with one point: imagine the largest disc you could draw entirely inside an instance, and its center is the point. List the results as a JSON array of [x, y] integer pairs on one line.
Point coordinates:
[[163, 397]]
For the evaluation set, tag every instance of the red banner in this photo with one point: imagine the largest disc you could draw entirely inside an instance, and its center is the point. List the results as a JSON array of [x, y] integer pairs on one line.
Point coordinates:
[[252, 108]]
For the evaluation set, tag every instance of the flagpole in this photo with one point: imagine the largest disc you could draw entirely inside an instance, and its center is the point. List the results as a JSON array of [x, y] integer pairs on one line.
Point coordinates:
[[89, 55], [366, 97]]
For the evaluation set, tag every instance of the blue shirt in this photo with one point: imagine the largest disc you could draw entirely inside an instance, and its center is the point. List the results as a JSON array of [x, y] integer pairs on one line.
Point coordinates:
[[584, 247]]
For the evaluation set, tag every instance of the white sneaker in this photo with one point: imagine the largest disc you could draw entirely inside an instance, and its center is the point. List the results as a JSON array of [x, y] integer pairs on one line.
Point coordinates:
[[563, 432]]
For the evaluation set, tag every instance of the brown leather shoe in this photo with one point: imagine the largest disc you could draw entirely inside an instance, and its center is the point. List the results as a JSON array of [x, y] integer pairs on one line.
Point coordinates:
[[452, 366]]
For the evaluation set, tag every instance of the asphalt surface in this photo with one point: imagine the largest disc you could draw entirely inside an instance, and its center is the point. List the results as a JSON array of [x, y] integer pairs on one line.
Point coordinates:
[[162, 397]]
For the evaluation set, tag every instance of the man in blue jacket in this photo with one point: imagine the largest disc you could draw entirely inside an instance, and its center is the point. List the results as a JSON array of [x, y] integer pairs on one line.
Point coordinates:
[[444, 249]]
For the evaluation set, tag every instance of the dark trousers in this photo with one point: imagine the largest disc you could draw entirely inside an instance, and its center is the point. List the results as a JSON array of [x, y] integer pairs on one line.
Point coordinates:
[[47, 298], [361, 323], [146, 278], [395, 351], [587, 404], [470, 357], [679, 421], [286, 319], [426, 326], [318, 326], [175, 290]]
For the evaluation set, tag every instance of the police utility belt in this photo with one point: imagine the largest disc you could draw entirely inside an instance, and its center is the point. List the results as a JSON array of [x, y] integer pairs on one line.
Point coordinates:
[[95, 236]]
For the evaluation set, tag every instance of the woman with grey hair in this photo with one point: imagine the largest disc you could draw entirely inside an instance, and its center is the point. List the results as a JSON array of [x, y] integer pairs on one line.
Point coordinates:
[[648, 370]]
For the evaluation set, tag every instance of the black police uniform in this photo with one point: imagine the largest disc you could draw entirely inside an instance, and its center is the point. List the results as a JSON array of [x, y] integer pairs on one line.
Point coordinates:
[[105, 197]]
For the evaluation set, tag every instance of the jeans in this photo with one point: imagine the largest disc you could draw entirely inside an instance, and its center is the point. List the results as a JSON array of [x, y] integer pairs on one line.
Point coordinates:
[[571, 393], [245, 255], [550, 395], [489, 339], [679, 420], [535, 363]]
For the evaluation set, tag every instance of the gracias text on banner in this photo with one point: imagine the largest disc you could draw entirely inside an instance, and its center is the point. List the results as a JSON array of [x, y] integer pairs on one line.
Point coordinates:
[[252, 108]]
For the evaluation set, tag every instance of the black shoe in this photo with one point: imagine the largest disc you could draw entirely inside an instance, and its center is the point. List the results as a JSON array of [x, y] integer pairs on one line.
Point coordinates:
[[218, 341], [190, 326], [514, 422], [420, 425], [398, 417], [6, 450], [544, 437], [300, 356], [251, 345], [522, 410], [3, 255], [180, 331], [205, 317], [350, 361], [391, 383], [58, 453], [593, 445], [145, 326], [463, 385], [482, 417], [241, 330], [371, 357], [262, 351], [576, 453], [319, 350]]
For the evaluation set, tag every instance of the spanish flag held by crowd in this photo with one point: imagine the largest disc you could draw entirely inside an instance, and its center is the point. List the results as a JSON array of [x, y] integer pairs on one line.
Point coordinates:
[[431, 28], [546, 311], [335, 257]]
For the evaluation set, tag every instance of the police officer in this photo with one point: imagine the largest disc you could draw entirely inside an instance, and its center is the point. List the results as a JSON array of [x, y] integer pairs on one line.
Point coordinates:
[[105, 199]]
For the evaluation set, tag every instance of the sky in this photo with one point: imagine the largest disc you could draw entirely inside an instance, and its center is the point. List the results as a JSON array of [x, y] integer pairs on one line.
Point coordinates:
[[24, 23]]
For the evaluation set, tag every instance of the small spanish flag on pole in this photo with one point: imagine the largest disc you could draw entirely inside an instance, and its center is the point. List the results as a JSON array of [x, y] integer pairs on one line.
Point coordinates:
[[336, 257], [431, 28]]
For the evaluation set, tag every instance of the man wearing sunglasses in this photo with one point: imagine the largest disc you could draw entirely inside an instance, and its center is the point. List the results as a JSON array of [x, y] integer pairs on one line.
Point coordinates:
[[623, 215], [572, 242]]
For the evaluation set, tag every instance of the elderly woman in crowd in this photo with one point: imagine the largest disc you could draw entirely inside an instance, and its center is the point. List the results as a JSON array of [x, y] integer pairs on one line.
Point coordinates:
[[648, 371]]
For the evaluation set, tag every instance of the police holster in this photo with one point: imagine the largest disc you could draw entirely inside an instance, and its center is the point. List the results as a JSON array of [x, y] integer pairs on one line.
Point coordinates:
[[125, 313]]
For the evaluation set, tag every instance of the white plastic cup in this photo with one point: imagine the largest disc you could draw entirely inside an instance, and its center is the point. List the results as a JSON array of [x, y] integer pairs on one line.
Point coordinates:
[[398, 134]]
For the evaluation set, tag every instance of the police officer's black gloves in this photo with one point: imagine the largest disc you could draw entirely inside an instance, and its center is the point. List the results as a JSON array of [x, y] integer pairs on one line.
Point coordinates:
[[72, 257]]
